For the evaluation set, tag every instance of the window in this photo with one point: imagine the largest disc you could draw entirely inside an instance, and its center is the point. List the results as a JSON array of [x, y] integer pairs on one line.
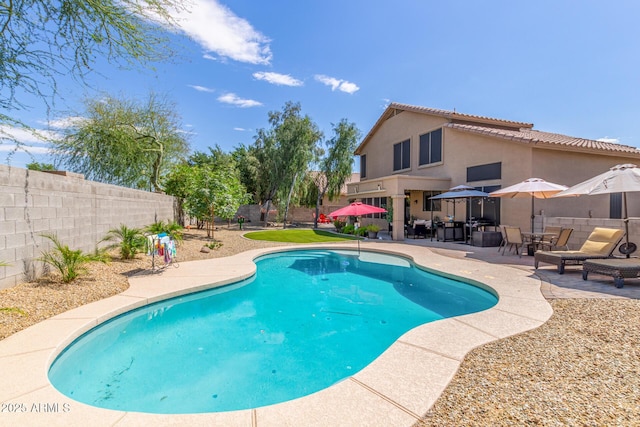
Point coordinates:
[[484, 172], [426, 201], [402, 155], [376, 201], [363, 166], [615, 205], [431, 147]]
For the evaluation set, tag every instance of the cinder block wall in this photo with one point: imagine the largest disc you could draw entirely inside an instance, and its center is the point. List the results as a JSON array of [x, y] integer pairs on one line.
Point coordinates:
[[582, 227], [79, 212]]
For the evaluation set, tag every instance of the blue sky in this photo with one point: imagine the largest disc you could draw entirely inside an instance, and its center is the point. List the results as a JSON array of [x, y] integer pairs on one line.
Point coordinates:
[[570, 67]]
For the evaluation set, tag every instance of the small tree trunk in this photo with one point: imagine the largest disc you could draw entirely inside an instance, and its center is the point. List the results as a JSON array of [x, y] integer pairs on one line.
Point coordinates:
[[211, 224], [286, 208], [266, 212]]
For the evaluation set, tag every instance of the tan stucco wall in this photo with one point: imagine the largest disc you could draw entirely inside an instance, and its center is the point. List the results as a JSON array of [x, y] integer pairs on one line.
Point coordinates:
[[379, 150], [461, 150]]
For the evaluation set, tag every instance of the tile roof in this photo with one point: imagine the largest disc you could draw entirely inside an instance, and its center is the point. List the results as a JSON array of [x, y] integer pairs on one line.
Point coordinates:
[[453, 115], [505, 129], [537, 137]]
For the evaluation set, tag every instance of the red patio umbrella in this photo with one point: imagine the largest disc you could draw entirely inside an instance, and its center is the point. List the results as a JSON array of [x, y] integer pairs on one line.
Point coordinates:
[[356, 209]]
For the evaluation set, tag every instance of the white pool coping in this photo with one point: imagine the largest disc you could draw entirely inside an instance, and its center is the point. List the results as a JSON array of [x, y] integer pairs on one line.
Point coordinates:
[[396, 389]]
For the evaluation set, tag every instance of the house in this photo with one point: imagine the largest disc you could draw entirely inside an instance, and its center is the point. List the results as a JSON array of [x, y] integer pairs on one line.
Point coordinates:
[[413, 153]]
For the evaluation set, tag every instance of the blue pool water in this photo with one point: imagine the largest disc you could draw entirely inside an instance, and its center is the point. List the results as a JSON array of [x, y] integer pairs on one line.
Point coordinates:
[[305, 321]]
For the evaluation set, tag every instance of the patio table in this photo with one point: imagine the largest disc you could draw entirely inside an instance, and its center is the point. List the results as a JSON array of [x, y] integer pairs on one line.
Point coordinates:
[[536, 238]]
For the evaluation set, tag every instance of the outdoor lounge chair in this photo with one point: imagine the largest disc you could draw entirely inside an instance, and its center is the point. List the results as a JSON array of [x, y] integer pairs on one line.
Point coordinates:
[[618, 268], [600, 244]]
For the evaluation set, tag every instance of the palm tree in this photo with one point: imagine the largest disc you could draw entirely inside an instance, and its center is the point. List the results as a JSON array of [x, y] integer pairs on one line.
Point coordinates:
[[130, 241], [67, 261]]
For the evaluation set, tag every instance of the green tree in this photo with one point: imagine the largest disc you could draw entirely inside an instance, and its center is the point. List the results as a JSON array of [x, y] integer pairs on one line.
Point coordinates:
[[209, 185], [36, 166], [43, 40], [124, 142], [337, 164], [178, 183], [248, 167], [285, 152]]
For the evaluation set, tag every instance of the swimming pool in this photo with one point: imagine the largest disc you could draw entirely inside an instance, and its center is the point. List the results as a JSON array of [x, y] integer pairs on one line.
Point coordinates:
[[305, 321]]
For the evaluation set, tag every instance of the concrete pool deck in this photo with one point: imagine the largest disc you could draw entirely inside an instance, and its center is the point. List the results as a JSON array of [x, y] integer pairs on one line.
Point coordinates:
[[395, 389]]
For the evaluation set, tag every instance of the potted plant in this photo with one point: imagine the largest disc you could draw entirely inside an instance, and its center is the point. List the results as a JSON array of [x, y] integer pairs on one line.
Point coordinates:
[[372, 231]]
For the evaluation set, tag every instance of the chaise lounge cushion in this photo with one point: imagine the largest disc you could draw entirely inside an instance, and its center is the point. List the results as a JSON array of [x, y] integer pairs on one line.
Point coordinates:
[[602, 241], [600, 244]]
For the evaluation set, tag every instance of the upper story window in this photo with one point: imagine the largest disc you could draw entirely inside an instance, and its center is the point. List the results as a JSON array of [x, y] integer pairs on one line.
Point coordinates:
[[431, 147], [402, 155], [363, 166], [484, 172]]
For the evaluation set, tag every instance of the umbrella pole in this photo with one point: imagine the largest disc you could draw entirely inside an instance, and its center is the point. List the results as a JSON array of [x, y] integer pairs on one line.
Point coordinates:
[[432, 224], [533, 215], [626, 222], [467, 236]]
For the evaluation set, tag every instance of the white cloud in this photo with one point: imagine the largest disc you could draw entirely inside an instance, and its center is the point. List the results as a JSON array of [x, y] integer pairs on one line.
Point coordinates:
[[349, 87], [202, 88], [239, 129], [65, 122], [341, 85], [277, 79], [26, 139], [233, 99], [610, 140], [25, 148], [25, 136], [218, 30]]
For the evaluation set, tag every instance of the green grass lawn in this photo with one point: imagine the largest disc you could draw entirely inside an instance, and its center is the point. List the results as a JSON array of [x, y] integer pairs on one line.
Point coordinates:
[[298, 236]]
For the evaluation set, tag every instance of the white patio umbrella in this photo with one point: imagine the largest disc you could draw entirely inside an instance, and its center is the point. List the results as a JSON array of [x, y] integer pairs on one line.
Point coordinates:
[[536, 188], [619, 179]]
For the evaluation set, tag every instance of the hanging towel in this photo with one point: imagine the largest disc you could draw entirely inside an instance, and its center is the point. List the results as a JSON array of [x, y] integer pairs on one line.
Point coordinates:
[[150, 244]]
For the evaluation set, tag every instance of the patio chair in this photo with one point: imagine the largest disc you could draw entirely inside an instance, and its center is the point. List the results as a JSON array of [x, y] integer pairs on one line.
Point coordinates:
[[514, 240], [323, 219], [600, 244], [417, 231], [546, 239], [503, 242], [561, 241]]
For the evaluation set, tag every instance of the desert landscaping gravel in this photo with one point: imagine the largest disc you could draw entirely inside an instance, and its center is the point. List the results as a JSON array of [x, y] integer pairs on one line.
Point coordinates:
[[581, 368]]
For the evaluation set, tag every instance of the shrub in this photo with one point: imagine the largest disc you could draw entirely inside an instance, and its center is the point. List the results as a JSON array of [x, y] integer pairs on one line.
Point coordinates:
[[172, 228], [214, 244], [68, 262], [339, 225], [348, 229], [131, 241], [373, 228], [362, 231]]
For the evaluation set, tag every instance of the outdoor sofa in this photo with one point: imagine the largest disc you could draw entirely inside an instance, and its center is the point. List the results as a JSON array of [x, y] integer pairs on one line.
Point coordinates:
[[600, 244]]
